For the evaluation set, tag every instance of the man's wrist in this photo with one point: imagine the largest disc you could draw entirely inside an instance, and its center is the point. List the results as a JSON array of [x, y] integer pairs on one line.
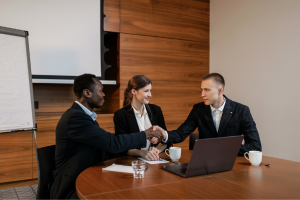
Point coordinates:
[[165, 139]]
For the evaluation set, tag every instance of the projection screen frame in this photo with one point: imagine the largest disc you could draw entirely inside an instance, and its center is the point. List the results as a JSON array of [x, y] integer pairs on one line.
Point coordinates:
[[65, 79]]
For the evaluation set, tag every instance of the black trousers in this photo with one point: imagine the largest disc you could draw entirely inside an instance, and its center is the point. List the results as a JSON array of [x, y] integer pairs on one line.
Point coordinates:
[[74, 195]]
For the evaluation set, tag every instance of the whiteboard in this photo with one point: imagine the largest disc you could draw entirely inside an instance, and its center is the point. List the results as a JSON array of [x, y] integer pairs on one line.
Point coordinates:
[[64, 34], [16, 102]]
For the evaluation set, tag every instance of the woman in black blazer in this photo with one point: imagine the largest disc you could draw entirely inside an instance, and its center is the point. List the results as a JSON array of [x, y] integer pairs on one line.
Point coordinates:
[[138, 115]]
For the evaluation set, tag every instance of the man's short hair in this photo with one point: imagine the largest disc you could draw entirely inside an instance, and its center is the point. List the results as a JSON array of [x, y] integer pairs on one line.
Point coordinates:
[[84, 81], [217, 77]]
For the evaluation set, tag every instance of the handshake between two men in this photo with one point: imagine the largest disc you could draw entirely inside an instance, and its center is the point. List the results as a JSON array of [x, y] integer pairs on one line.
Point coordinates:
[[154, 134]]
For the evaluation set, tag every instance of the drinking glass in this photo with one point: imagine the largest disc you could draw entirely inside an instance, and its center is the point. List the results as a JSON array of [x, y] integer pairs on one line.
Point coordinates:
[[139, 167]]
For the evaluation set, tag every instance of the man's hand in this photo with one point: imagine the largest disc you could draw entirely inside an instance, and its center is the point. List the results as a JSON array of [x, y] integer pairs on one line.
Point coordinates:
[[155, 131], [162, 131], [154, 140]]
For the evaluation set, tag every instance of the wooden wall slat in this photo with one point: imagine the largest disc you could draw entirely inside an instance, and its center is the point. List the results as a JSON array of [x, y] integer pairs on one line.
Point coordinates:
[[16, 156], [112, 12], [53, 97], [16, 172], [57, 98], [105, 121], [188, 20], [45, 134]]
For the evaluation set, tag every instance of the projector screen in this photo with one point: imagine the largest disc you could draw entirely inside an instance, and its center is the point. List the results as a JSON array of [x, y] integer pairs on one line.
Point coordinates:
[[65, 35]]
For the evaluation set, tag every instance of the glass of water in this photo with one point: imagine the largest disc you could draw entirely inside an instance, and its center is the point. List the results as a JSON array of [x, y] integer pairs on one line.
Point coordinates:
[[139, 167]]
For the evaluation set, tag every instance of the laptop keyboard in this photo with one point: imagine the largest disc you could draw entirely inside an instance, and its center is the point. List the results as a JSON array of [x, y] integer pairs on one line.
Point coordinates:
[[182, 170]]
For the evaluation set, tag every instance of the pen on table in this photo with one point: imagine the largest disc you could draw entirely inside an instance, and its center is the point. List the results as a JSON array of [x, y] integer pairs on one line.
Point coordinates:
[[146, 167]]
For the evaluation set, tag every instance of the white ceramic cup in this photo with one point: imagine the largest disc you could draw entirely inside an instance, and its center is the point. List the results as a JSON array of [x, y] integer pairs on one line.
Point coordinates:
[[255, 157], [174, 153]]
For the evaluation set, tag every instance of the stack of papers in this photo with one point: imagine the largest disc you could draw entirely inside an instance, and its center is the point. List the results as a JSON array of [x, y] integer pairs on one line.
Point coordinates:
[[119, 168], [128, 169], [153, 162]]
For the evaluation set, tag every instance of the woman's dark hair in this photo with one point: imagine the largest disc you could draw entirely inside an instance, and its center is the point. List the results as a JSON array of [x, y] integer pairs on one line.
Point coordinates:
[[84, 81], [137, 82]]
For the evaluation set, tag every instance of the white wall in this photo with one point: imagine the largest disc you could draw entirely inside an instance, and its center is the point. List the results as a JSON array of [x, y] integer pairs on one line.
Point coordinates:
[[255, 45]]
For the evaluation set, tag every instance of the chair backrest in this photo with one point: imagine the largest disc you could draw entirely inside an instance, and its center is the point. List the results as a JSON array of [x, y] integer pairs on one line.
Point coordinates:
[[193, 138], [46, 165]]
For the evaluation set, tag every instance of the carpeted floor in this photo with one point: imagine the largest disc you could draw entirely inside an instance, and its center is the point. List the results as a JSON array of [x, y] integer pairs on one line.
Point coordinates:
[[25, 192]]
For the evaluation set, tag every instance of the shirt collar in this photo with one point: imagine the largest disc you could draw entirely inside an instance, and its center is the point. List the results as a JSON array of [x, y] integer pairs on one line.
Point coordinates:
[[220, 109], [138, 113], [92, 114]]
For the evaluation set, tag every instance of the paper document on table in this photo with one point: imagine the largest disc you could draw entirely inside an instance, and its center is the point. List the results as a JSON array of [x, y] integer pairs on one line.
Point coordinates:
[[153, 162], [119, 168]]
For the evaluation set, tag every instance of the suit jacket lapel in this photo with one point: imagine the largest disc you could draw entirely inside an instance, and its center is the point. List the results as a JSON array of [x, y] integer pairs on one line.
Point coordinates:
[[151, 115], [133, 123], [153, 120], [226, 116], [209, 119]]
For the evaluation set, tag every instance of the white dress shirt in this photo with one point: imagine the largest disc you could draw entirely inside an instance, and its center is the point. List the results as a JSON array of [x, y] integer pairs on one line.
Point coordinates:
[[143, 122], [216, 114], [92, 114]]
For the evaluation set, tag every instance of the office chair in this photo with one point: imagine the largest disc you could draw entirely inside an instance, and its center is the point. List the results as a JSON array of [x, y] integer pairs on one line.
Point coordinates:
[[46, 165], [193, 138]]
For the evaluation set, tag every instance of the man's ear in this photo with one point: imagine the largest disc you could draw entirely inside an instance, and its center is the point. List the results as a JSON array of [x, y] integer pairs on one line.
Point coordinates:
[[221, 90], [86, 93]]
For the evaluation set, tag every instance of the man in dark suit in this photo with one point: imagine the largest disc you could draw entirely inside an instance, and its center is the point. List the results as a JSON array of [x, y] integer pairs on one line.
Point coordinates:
[[80, 142], [218, 116]]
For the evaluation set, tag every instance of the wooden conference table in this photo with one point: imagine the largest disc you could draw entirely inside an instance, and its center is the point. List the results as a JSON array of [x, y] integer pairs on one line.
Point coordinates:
[[280, 180]]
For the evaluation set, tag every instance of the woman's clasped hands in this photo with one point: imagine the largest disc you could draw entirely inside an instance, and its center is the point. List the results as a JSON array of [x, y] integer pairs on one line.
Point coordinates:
[[152, 154]]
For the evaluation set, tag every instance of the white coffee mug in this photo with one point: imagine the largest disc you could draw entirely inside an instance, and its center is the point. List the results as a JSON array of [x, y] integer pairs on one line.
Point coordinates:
[[255, 157], [174, 153]]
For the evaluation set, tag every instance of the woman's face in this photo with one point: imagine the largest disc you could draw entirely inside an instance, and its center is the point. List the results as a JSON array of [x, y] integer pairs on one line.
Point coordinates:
[[142, 95]]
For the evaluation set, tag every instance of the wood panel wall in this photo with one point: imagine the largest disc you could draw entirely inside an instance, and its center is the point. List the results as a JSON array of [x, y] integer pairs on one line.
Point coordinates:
[[166, 40], [16, 156], [174, 66], [184, 20]]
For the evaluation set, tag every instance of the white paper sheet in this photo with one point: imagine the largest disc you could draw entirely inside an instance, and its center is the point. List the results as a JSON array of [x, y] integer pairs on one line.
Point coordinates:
[[119, 168], [153, 162]]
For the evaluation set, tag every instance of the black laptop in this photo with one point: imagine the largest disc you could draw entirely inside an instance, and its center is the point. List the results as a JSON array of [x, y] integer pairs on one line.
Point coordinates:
[[209, 156]]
